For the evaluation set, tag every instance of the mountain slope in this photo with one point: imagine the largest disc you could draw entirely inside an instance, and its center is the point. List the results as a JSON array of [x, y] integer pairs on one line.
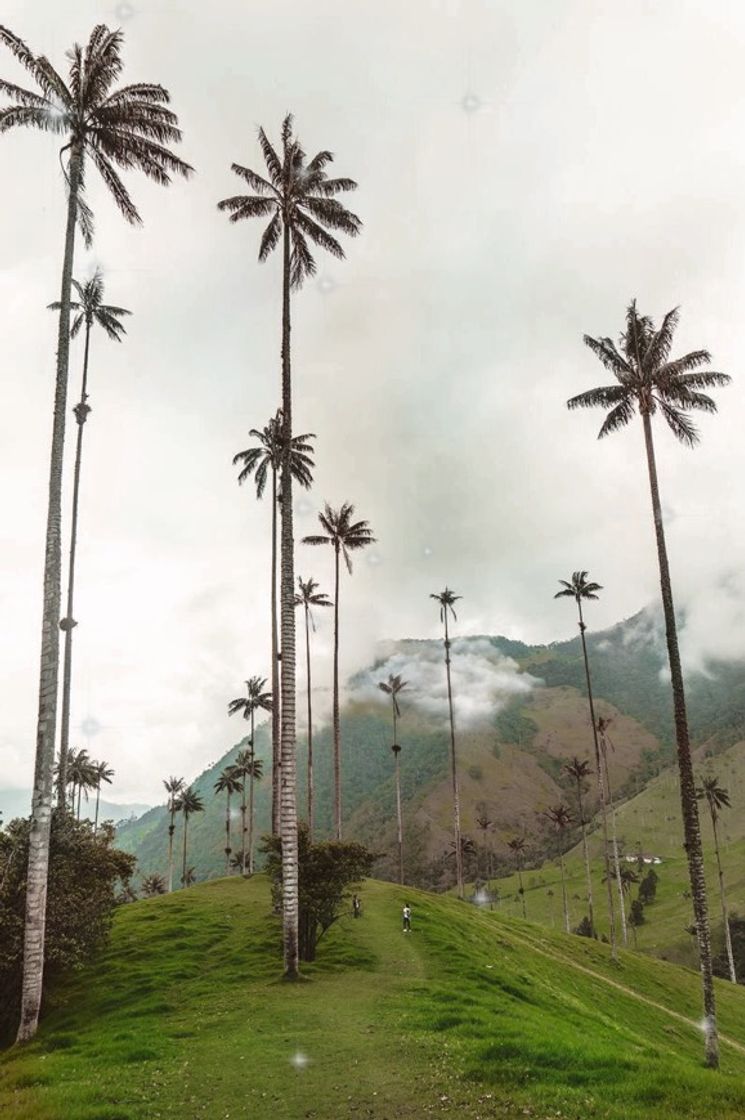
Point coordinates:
[[473, 1014]]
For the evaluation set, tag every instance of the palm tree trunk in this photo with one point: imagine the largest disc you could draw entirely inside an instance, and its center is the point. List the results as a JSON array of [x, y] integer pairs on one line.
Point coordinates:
[[41, 803], [98, 799], [689, 805], [251, 803], [587, 860], [310, 729], [171, 830], [275, 669], [565, 900], [80, 796], [616, 862], [601, 790], [68, 623], [454, 770], [337, 728], [288, 790], [183, 870], [243, 825], [723, 897], [399, 815], [522, 889], [227, 835]]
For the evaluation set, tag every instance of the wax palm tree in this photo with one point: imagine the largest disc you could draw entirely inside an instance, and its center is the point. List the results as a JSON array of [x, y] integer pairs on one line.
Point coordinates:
[[153, 885], [486, 825], [345, 536], [102, 773], [228, 783], [579, 770], [393, 687], [299, 200], [251, 767], [650, 382], [717, 798], [83, 778], [174, 788], [256, 700], [127, 127], [517, 847], [309, 596], [579, 588], [605, 742], [561, 819], [446, 599], [260, 462], [189, 802], [90, 311]]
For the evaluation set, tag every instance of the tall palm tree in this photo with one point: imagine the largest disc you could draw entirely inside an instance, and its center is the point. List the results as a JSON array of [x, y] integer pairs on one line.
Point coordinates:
[[103, 773], [309, 596], [561, 818], [345, 536], [517, 847], [717, 798], [649, 382], [298, 199], [446, 599], [83, 778], [579, 588], [578, 770], [256, 700], [393, 687], [605, 741], [229, 783], [189, 802], [174, 788], [90, 310], [128, 127], [259, 462]]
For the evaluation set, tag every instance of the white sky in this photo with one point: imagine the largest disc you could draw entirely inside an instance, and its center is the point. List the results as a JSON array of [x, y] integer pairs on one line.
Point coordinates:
[[524, 169]]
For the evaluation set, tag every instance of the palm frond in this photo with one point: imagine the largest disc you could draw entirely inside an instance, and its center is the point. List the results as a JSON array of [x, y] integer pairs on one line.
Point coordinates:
[[682, 428], [618, 417]]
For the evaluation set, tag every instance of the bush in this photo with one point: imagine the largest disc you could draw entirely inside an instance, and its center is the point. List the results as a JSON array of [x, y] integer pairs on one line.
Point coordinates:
[[584, 929], [84, 872], [648, 887]]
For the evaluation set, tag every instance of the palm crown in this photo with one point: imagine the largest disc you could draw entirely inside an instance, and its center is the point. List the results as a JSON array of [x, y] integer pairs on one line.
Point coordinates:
[[257, 698], [516, 845], [579, 769], [297, 196], [91, 309], [308, 596], [446, 599], [716, 796], [392, 687], [189, 801], [648, 380], [560, 816], [229, 780], [127, 128], [344, 534], [268, 456], [578, 587], [173, 786]]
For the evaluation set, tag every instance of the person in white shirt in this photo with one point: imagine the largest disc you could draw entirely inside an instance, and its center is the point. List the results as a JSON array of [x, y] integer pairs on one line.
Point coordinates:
[[407, 918]]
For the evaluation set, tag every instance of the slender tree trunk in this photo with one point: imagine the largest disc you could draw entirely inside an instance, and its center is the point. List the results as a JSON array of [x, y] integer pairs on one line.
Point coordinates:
[[41, 804], [275, 670], [251, 802], [227, 836], [171, 830], [98, 799], [723, 897], [689, 805], [601, 790], [336, 721], [616, 862], [593, 931], [183, 869], [288, 790], [80, 797], [310, 729], [68, 623], [564, 898], [399, 815], [243, 825], [454, 769]]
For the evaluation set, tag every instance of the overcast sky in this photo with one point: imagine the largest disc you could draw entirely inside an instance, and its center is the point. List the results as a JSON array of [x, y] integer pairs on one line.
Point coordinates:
[[524, 170]]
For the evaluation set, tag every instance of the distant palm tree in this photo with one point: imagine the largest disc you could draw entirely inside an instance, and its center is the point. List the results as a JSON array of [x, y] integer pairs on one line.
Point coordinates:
[[229, 782], [345, 536], [189, 877], [153, 885], [298, 199], [256, 700], [174, 788], [561, 818], [647, 380], [129, 127], [578, 770], [259, 462], [517, 847], [393, 686], [308, 596], [82, 778], [579, 588], [103, 773], [605, 741], [717, 798], [189, 802], [90, 309], [486, 824], [247, 765], [446, 599]]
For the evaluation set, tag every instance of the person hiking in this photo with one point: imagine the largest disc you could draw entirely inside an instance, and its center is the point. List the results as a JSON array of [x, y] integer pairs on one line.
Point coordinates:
[[356, 906], [407, 918]]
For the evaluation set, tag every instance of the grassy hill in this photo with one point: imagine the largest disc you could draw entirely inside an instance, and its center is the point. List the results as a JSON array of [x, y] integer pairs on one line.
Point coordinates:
[[473, 1014]]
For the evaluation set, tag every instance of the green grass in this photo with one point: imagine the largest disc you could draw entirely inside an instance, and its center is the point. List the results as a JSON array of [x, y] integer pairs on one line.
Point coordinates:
[[474, 1014]]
